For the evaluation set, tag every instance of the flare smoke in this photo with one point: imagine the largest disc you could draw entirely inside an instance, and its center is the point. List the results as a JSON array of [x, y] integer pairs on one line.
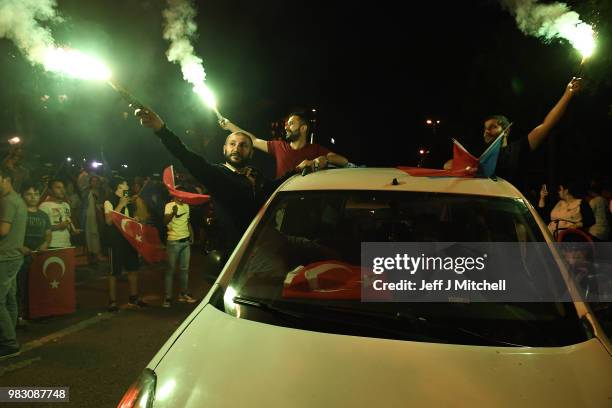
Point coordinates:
[[550, 21], [179, 29], [20, 21]]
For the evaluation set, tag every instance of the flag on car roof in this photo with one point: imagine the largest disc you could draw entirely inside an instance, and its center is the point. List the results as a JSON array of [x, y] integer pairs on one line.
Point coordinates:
[[464, 163]]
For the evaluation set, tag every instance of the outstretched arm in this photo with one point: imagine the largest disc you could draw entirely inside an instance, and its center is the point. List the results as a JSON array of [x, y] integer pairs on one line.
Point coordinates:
[[257, 143], [537, 135], [206, 173]]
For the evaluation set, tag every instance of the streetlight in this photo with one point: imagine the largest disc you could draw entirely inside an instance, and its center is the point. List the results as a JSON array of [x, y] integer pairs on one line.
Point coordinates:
[[434, 123], [422, 153], [14, 140]]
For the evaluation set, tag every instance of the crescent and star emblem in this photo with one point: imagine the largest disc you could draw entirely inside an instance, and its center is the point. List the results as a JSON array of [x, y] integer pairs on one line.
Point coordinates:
[[51, 260]]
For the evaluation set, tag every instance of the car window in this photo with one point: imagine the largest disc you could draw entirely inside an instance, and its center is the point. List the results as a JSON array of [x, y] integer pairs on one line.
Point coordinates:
[[307, 231]]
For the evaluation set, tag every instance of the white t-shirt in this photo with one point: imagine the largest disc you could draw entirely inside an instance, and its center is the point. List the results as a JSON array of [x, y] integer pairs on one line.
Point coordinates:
[[58, 212], [108, 207], [178, 228]]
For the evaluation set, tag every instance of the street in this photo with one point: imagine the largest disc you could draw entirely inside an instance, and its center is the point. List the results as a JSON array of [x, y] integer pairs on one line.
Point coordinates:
[[95, 353]]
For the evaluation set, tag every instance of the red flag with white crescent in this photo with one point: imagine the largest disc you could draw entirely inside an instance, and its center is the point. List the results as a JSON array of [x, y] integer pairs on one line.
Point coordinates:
[[144, 238], [51, 283], [329, 279], [189, 198]]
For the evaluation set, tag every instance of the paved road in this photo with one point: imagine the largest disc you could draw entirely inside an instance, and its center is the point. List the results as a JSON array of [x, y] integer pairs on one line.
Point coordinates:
[[95, 353]]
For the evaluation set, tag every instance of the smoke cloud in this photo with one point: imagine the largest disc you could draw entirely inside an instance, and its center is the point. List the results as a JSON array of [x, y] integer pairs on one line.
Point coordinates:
[[551, 21], [180, 29], [20, 22]]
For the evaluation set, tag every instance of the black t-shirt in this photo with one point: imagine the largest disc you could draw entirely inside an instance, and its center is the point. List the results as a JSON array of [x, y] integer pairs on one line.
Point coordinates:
[[512, 161], [37, 225], [113, 237]]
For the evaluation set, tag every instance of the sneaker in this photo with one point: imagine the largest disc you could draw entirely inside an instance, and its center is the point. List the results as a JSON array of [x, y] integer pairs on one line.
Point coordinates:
[[112, 307], [186, 298], [8, 352], [136, 304], [166, 303]]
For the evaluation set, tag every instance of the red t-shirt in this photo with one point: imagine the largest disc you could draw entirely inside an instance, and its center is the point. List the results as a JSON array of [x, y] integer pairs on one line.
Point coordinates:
[[287, 158]]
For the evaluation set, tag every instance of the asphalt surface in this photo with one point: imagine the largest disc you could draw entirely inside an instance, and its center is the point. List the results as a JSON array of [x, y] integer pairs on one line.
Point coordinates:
[[95, 353]]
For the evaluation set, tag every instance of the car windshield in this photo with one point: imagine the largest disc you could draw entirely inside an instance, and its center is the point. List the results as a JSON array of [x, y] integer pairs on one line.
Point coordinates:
[[306, 229]]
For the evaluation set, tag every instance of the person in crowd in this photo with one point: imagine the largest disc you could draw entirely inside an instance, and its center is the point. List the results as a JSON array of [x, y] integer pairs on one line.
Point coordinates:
[[295, 152], [514, 154], [571, 211], [141, 212], [13, 164], [58, 210], [72, 196], [37, 238], [74, 200], [83, 182], [237, 190], [601, 229], [121, 254], [94, 219], [178, 247], [13, 218]]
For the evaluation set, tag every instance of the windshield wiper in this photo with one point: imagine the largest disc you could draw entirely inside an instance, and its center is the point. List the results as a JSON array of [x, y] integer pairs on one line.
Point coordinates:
[[419, 327], [313, 312]]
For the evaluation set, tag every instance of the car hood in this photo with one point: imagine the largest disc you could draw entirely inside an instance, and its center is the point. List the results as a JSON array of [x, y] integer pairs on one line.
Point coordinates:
[[223, 361]]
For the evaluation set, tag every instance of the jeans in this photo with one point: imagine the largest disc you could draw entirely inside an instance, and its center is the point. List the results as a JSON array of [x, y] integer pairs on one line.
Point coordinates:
[[8, 302], [177, 252]]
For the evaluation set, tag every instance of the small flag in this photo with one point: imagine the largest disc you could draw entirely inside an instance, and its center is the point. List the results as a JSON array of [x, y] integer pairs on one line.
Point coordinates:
[[189, 198], [464, 163]]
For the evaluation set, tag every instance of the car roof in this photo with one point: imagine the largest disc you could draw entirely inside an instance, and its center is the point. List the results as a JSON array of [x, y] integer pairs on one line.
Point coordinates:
[[382, 179]]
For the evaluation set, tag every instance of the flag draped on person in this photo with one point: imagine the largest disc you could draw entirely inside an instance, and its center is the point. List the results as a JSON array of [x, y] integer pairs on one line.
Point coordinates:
[[187, 197], [144, 238]]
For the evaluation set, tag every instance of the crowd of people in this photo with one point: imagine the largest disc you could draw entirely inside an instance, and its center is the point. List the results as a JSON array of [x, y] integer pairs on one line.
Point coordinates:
[[64, 209], [41, 211]]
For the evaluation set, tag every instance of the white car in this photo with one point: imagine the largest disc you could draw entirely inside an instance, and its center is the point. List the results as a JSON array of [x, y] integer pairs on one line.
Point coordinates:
[[250, 343]]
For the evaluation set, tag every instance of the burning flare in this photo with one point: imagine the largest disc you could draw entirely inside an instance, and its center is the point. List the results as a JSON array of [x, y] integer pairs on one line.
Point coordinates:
[[179, 29], [550, 21], [75, 64]]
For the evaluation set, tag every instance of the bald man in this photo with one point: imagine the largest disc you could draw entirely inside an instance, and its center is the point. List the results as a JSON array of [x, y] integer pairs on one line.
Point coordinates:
[[237, 190]]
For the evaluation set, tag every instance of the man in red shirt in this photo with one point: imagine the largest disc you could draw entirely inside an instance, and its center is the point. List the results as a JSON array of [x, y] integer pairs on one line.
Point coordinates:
[[295, 152]]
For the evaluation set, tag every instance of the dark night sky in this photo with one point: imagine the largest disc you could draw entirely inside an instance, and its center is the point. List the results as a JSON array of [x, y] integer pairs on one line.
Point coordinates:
[[374, 73]]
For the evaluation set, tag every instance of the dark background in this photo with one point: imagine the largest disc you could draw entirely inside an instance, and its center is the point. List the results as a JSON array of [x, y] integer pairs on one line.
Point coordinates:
[[374, 72]]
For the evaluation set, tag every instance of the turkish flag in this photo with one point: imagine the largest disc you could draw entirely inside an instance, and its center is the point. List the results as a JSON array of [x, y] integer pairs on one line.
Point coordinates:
[[465, 164], [189, 198], [144, 238], [51, 288], [324, 280]]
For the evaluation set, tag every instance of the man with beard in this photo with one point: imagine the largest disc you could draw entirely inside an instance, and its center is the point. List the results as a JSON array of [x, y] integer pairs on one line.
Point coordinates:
[[237, 190], [514, 155], [295, 152]]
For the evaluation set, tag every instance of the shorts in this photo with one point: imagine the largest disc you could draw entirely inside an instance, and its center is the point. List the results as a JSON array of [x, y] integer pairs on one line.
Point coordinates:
[[122, 257]]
